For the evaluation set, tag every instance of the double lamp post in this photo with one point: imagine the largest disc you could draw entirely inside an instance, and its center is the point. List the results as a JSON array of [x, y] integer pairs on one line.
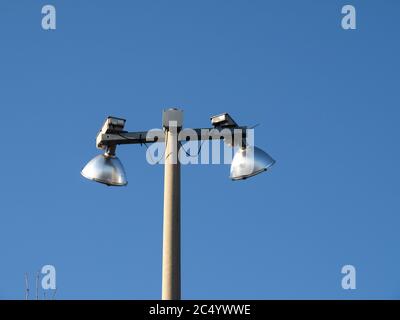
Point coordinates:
[[107, 169]]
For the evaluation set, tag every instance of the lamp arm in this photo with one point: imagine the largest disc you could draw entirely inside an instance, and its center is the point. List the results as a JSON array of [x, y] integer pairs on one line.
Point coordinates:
[[104, 140]]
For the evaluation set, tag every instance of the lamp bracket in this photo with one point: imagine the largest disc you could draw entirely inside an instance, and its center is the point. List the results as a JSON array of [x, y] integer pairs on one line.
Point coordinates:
[[158, 135]]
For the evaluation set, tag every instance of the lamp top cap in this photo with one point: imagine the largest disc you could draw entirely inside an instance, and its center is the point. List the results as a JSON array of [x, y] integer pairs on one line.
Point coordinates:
[[172, 117], [223, 120], [113, 124]]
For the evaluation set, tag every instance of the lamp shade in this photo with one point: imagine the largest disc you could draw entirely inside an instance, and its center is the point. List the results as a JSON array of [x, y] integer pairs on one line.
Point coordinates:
[[106, 169], [248, 162]]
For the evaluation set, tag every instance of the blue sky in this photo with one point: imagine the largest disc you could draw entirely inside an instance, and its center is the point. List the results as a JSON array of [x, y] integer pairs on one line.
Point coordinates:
[[328, 103]]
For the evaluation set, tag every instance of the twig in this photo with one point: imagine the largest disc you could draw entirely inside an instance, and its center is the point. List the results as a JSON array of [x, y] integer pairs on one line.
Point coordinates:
[[26, 287], [54, 294], [37, 285]]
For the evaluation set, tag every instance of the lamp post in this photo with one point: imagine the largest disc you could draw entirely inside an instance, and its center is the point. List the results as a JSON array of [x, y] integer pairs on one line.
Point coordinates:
[[107, 169], [171, 259]]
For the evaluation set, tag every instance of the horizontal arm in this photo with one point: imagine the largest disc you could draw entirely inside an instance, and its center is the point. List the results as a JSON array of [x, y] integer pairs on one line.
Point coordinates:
[[104, 140]]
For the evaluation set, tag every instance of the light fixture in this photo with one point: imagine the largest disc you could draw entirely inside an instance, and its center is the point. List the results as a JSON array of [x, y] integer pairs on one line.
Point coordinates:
[[249, 161], [106, 168]]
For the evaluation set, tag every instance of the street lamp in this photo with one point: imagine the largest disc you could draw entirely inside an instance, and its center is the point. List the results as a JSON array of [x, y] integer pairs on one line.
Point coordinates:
[[107, 169]]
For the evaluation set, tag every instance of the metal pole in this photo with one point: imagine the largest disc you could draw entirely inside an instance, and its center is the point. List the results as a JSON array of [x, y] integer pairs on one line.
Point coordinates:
[[171, 264]]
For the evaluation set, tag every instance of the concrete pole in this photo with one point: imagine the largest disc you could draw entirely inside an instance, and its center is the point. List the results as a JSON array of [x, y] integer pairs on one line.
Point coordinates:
[[171, 264]]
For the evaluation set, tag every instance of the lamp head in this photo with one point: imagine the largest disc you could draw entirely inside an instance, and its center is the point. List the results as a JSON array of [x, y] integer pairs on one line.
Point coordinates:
[[106, 168], [249, 161]]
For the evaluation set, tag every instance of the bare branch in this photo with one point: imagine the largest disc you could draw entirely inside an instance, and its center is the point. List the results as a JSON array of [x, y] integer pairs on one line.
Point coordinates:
[[37, 285], [26, 287], [54, 294]]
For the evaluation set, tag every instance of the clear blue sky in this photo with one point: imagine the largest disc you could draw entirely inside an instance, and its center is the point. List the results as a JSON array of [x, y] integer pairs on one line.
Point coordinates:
[[328, 103]]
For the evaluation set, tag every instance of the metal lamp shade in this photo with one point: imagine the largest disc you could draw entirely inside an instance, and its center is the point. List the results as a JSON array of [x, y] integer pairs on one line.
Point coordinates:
[[106, 169], [248, 162]]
